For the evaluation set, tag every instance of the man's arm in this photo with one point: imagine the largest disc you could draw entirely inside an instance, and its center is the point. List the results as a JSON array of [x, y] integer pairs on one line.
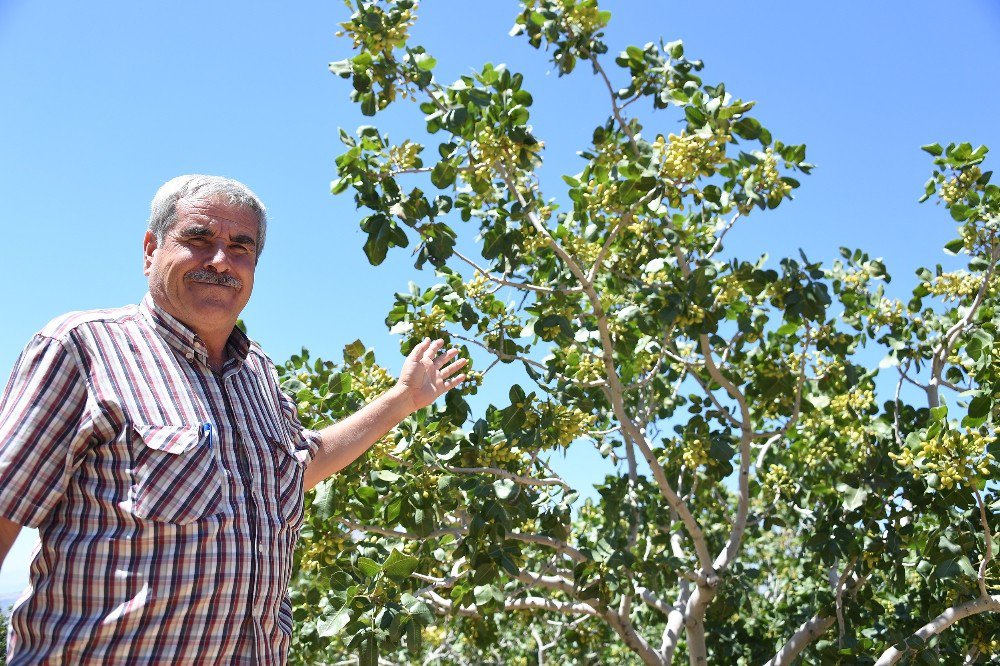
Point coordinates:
[[8, 533], [426, 375]]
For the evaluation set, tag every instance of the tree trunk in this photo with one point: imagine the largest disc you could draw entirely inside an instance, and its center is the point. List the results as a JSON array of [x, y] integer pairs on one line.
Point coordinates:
[[694, 623]]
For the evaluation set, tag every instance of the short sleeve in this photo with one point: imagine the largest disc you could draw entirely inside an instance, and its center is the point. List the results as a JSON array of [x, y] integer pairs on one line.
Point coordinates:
[[305, 441], [43, 429]]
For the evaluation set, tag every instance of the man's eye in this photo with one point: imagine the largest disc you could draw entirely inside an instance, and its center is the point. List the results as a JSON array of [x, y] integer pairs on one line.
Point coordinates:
[[242, 249]]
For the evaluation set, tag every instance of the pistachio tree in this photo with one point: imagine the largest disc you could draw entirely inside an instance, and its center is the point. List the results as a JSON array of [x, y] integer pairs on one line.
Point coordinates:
[[771, 489]]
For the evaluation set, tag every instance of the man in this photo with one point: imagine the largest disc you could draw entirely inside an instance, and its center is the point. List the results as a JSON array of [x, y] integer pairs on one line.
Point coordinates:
[[163, 467]]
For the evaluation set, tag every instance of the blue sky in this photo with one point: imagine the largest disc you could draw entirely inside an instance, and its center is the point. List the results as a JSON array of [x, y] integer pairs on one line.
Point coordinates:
[[105, 101]]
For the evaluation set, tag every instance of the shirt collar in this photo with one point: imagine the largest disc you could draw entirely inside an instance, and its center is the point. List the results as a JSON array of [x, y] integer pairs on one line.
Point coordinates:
[[185, 341]]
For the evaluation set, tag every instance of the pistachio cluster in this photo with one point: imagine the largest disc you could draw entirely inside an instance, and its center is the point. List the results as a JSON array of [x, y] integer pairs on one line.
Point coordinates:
[[765, 180], [887, 312], [727, 290], [428, 324], [684, 157], [381, 34], [500, 454], [494, 151], [584, 251], [695, 452], [589, 369], [957, 187], [567, 423], [400, 158], [955, 285], [777, 482], [692, 316], [477, 286], [952, 458], [375, 380], [580, 16]]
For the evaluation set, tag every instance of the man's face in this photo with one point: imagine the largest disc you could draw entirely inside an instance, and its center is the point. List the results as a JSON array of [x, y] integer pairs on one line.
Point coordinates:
[[202, 272]]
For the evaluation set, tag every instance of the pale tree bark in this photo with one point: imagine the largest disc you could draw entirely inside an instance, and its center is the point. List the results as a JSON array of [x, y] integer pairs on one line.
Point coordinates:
[[807, 632], [941, 623]]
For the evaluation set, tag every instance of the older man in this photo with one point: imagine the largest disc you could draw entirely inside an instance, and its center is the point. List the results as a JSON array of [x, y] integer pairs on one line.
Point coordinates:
[[162, 465]]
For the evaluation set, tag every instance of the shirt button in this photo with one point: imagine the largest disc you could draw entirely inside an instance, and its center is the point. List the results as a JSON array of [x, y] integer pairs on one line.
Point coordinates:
[[189, 356]]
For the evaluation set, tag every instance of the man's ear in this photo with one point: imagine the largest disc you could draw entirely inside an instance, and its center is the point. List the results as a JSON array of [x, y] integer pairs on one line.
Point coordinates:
[[148, 247]]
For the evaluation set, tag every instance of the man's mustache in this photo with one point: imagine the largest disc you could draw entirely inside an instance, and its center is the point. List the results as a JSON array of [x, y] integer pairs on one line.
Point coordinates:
[[210, 277]]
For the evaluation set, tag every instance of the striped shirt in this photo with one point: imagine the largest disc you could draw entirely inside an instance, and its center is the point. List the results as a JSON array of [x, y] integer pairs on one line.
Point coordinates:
[[168, 498]]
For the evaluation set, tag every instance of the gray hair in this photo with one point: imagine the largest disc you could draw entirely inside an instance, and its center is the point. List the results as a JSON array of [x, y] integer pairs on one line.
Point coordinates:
[[162, 213]]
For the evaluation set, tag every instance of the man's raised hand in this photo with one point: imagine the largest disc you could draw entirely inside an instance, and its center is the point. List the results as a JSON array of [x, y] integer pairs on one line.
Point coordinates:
[[427, 372]]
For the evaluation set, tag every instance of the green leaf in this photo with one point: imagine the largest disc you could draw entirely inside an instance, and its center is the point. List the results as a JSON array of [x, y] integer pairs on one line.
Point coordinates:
[[369, 568], [382, 234], [933, 148], [414, 638], [747, 128], [424, 61], [332, 625], [853, 497], [443, 174], [788, 328], [980, 406], [343, 68], [485, 594], [504, 488], [368, 654], [399, 566], [954, 246], [416, 608]]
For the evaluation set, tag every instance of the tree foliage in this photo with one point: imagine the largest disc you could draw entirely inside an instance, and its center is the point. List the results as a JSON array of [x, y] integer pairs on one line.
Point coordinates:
[[770, 491]]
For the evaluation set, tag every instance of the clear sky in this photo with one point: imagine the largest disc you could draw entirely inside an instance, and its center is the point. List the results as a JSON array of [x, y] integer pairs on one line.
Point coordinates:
[[104, 101]]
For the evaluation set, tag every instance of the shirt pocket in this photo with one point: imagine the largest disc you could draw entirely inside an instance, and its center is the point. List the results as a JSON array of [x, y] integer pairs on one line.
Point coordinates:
[[177, 479]]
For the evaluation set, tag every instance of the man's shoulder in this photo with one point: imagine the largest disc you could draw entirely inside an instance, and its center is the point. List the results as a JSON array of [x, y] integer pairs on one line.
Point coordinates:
[[63, 326], [256, 352]]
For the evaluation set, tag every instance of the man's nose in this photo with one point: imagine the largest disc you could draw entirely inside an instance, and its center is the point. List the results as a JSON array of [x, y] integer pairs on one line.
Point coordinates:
[[218, 258]]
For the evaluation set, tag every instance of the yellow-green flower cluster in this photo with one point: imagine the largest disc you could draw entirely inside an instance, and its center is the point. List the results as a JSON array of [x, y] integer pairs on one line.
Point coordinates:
[[401, 157], [582, 16], [957, 187], [428, 324], [493, 151], [955, 285], [777, 482], [477, 286], [955, 457], [684, 157], [589, 369], [695, 452], [888, 312], [379, 41], [568, 423]]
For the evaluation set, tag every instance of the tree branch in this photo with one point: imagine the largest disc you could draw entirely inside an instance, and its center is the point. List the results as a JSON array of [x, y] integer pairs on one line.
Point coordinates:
[[988, 535], [524, 286], [941, 353], [807, 632], [718, 241], [942, 622], [504, 474]]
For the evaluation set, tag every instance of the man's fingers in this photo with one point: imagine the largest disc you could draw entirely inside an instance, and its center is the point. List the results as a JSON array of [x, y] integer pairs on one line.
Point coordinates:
[[452, 383], [420, 349], [432, 349], [451, 369], [445, 357]]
